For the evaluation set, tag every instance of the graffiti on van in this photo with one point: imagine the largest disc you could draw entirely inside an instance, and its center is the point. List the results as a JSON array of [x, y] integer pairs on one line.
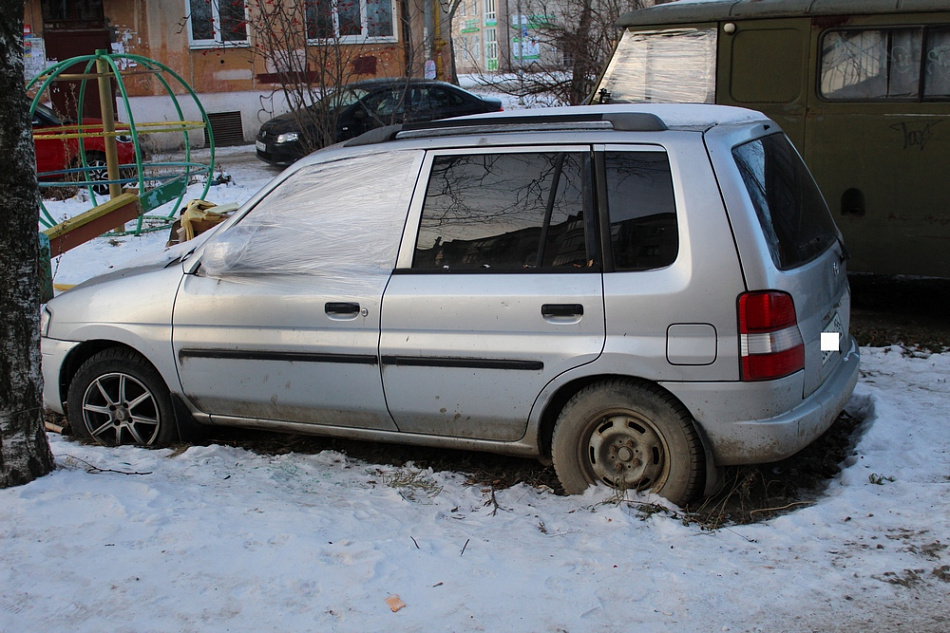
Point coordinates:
[[916, 136]]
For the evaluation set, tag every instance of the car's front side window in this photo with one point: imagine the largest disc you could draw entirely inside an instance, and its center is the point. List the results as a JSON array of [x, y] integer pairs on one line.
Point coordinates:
[[505, 212], [340, 221], [387, 103]]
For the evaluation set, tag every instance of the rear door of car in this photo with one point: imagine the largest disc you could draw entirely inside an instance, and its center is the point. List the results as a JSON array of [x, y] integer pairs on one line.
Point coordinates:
[[497, 290], [280, 322], [786, 238]]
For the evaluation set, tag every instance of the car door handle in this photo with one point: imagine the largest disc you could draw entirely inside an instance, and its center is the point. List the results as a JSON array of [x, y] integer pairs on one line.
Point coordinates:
[[549, 310], [334, 308]]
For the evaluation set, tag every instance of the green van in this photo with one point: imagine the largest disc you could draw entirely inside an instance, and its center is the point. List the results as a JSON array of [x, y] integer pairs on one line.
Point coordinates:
[[862, 87]]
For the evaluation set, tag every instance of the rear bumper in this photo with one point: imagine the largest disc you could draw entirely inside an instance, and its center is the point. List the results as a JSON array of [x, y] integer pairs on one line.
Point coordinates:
[[740, 440]]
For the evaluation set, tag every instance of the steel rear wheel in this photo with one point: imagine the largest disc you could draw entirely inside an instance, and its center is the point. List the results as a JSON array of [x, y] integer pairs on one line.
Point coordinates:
[[630, 436], [117, 398], [625, 451]]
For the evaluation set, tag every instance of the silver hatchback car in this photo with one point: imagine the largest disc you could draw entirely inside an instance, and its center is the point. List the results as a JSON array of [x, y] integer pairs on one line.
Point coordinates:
[[639, 293]]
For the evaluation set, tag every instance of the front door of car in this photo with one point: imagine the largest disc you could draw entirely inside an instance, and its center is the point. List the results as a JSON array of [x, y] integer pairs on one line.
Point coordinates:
[[279, 321], [497, 291]]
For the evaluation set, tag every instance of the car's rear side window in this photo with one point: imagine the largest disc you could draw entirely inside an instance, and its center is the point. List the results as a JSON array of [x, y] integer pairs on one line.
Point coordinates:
[[642, 210], [504, 212], [794, 217]]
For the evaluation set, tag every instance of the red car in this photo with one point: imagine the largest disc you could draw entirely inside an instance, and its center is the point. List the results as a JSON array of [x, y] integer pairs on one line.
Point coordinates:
[[56, 157]]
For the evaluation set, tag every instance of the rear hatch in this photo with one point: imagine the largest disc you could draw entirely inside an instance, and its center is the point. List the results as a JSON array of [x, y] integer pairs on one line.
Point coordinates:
[[788, 242]]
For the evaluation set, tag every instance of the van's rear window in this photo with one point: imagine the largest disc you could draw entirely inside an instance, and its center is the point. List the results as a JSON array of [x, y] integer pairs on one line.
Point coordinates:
[[793, 214]]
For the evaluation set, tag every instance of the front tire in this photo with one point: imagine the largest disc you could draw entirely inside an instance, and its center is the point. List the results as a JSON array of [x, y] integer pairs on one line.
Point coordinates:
[[117, 397], [631, 436]]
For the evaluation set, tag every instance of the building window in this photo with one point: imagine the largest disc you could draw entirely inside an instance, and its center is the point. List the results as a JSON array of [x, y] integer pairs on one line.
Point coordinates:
[[217, 23], [470, 48], [351, 21], [70, 12], [491, 49], [491, 17]]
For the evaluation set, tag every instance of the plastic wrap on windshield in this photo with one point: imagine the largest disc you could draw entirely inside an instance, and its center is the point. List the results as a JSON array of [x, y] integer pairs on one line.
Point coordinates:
[[339, 222], [668, 66]]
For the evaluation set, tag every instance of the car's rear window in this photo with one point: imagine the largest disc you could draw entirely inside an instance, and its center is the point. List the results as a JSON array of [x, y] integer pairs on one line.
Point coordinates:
[[791, 210]]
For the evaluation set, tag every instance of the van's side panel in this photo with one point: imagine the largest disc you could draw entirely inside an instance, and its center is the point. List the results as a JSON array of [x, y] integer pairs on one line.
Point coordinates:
[[882, 165], [763, 65], [880, 162]]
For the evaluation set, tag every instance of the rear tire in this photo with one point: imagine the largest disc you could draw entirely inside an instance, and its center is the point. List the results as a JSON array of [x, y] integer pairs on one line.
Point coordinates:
[[117, 397], [630, 436]]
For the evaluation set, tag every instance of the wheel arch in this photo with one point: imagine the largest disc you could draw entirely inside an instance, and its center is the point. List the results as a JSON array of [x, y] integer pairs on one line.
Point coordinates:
[[563, 393], [185, 423], [79, 355]]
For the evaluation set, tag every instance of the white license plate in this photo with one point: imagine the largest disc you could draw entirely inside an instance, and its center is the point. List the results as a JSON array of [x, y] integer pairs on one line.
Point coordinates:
[[260, 146], [831, 338]]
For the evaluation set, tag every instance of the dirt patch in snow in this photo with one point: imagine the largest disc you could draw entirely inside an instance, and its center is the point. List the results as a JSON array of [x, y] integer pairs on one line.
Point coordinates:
[[901, 311]]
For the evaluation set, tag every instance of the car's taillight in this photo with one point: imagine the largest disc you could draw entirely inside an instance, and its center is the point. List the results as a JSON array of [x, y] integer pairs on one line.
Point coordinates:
[[770, 342]]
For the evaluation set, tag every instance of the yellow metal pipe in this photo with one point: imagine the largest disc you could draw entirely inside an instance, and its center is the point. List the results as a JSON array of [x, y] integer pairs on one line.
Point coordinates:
[[88, 76], [85, 131], [107, 107]]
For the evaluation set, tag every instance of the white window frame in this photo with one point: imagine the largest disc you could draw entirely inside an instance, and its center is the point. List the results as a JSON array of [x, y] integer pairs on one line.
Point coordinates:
[[490, 13], [363, 37], [491, 43], [216, 41]]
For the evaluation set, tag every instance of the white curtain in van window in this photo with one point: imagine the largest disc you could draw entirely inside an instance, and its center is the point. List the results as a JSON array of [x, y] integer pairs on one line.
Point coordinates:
[[937, 63], [668, 66]]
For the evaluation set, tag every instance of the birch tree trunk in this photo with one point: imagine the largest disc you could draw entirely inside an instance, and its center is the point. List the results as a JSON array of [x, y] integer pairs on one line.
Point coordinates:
[[24, 450]]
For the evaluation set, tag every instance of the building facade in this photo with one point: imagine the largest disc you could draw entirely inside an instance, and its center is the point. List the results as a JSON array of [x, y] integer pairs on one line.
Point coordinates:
[[235, 54]]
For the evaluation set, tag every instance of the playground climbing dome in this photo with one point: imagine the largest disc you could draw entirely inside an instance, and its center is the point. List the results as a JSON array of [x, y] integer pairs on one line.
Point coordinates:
[[91, 146]]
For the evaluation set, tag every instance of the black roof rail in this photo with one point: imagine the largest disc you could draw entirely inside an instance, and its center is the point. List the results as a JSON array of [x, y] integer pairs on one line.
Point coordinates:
[[623, 121], [620, 121]]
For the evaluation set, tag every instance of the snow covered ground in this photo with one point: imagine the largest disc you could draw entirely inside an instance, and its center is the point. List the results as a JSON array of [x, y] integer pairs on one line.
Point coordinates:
[[222, 539]]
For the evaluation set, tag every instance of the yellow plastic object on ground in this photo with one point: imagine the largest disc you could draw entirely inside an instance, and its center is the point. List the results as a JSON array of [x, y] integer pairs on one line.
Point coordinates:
[[198, 218]]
